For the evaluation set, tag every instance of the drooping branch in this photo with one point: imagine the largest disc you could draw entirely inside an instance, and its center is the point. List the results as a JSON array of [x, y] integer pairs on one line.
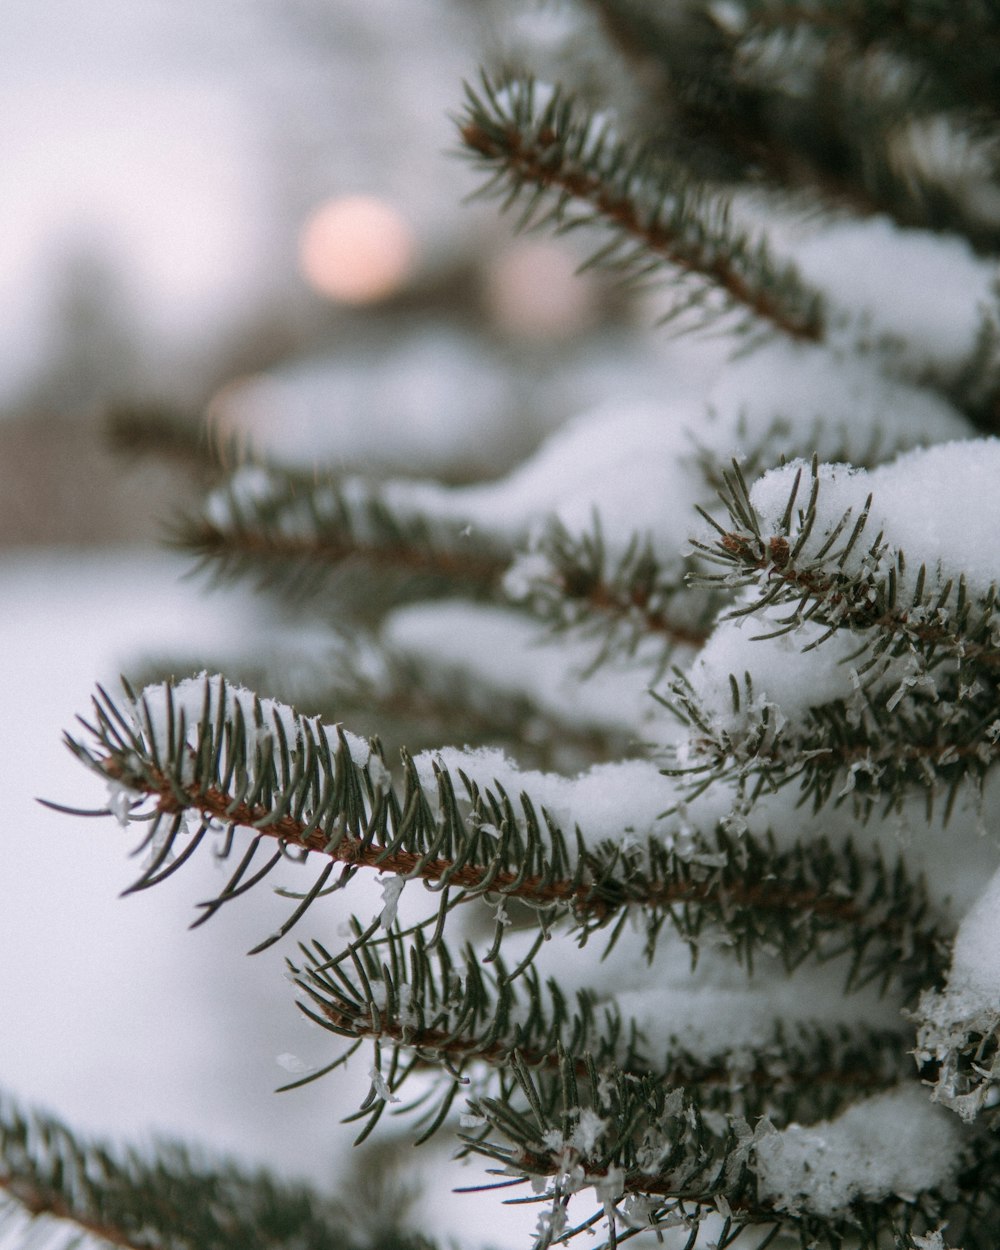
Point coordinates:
[[218, 753], [853, 131], [628, 1139], [554, 154], [413, 699], [925, 33], [836, 580], [286, 528], [907, 641]]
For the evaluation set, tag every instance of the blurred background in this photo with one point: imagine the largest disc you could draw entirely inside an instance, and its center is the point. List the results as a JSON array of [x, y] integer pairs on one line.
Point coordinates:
[[243, 221], [251, 209]]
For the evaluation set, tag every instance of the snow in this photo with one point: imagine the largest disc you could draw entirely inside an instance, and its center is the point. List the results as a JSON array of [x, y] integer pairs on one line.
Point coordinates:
[[933, 1241], [711, 1009], [975, 966], [624, 463], [392, 888], [619, 801], [417, 398], [951, 1022], [630, 465], [938, 505], [621, 462], [919, 292], [935, 506], [114, 1016], [435, 397], [787, 679], [895, 1143], [799, 399], [505, 649], [197, 698]]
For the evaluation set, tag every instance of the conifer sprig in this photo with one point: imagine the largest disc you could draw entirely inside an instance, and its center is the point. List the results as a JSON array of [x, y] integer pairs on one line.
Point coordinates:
[[654, 1157], [878, 74], [959, 1045], [150, 1200], [620, 1135], [219, 755], [286, 528], [844, 128], [425, 703], [920, 638], [423, 1009], [923, 33], [846, 579], [860, 751], [542, 148], [625, 601]]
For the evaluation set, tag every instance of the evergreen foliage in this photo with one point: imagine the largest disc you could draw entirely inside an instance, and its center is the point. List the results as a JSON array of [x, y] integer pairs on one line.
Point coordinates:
[[792, 991]]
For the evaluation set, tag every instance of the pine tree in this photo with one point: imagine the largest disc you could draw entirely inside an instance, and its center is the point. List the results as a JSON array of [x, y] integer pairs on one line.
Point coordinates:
[[712, 965]]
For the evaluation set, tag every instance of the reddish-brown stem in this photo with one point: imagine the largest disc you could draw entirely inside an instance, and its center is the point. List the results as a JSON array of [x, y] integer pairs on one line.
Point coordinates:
[[774, 561], [583, 898], [438, 1042]]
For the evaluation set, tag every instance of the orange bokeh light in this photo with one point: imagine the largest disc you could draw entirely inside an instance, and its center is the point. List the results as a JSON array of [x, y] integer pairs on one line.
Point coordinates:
[[533, 291], [356, 249]]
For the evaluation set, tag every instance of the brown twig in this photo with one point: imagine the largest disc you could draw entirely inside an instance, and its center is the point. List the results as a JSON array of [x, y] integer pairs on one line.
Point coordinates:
[[773, 560], [585, 899]]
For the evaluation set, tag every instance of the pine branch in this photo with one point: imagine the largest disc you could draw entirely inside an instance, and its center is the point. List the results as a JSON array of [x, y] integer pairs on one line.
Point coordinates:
[[163, 1199], [958, 1044], [287, 528], [957, 44], [553, 152], [925, 634], [861, 131], [862, 751], [654, 1159], [219, 754], [619, 1135], [837, 581], [422, 1011], [573, 583]]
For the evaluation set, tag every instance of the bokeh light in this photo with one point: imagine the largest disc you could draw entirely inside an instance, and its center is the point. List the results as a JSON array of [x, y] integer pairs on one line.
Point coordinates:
[[233, 419], [357, 249], [533, 290]]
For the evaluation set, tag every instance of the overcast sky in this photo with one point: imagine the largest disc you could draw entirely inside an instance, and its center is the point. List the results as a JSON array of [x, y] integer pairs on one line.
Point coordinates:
[[181, 141]]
